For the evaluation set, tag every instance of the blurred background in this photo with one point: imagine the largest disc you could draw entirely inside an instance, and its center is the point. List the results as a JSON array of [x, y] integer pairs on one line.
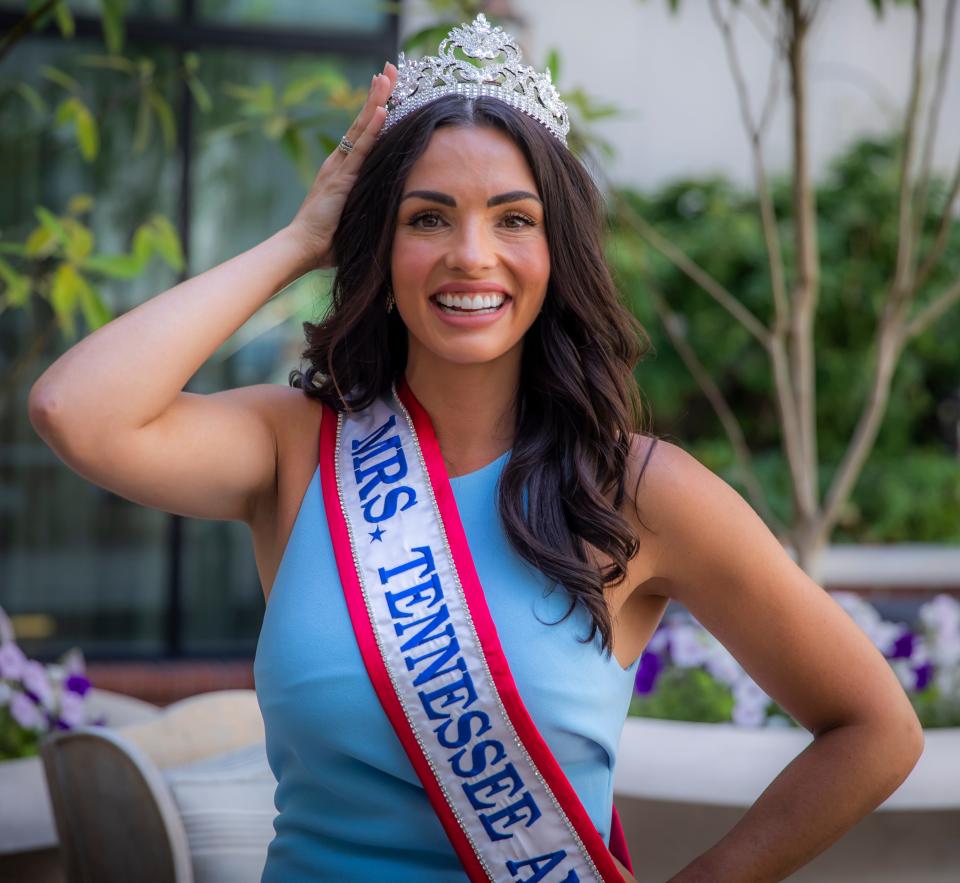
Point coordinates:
[[142, 144]]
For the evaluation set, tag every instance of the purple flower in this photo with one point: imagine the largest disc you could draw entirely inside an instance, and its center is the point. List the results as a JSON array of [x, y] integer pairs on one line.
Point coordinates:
[[12, 660], [77, 684], [924, 673], [903, 646], [72, 709], [650, 667], [25, 712], [36, 682]]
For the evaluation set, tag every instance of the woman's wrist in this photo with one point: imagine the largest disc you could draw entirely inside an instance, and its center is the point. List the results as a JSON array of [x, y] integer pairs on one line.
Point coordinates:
[[307, 256]]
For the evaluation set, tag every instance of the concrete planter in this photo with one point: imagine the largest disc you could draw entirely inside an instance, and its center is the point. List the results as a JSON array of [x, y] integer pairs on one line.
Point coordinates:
[[28, 836], [679, 787]]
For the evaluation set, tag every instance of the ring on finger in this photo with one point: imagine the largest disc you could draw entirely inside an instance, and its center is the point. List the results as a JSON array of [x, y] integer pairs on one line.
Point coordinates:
[[345, 145]]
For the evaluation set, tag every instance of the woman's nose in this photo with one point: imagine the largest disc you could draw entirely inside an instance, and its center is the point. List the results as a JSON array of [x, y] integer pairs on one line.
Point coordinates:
[[471, 248]]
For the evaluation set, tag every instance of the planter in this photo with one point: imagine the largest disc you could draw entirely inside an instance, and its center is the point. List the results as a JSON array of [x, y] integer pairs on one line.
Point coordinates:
[[681, 786], [26, 817]]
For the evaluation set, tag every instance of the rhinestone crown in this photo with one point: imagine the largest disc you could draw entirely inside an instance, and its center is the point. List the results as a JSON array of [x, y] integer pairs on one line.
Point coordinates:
[[432, 76]]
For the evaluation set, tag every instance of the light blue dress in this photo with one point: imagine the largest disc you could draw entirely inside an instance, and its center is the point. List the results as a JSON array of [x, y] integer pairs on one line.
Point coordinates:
[[350, 806]]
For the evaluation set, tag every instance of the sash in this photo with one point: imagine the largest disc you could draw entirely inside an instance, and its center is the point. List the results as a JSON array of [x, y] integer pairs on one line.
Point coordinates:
[[431, 650]]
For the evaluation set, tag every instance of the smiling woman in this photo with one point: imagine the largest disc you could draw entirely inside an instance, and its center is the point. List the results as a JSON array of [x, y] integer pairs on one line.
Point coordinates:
[[460, 569]]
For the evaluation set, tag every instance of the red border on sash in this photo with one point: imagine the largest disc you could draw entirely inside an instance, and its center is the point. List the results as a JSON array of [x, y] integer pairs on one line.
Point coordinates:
[[376, 669], [486, 630]]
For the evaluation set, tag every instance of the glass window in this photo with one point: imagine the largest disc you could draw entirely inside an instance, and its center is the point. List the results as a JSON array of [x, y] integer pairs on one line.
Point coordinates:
[[79, 564], [331, 15]]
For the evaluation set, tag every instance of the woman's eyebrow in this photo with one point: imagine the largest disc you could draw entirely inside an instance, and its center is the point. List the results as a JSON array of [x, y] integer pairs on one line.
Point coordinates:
[[446, 199]]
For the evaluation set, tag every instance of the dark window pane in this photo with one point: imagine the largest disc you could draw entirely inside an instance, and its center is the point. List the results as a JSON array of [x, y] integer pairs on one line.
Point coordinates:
[[79, 564], [151, 8], [364, 16]]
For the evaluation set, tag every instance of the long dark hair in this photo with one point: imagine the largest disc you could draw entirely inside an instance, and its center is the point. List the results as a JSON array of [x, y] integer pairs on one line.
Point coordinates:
[[578, 402]]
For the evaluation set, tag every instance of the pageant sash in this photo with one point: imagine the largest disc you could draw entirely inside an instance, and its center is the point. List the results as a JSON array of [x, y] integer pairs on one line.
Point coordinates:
[[431, 650]]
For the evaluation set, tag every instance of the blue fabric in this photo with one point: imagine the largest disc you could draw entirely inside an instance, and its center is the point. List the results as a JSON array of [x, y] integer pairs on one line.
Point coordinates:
[[350, 806]]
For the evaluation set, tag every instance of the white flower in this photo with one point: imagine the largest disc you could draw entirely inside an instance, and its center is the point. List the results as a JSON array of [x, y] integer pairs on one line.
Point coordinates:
[[722, 664], [903, 669], [748, 715], [687, 646], [882, 634]]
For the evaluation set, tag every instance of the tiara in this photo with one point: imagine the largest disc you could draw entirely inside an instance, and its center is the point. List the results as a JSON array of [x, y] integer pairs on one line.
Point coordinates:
[[432, 76]]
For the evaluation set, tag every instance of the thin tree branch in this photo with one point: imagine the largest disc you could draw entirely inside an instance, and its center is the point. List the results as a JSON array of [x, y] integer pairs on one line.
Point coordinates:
[[943, 230], [767, 213], [23, 27], [672, 323], [806, 287], [939, 305], [889, 344], [900, 288], [693, 270], [933, 118]]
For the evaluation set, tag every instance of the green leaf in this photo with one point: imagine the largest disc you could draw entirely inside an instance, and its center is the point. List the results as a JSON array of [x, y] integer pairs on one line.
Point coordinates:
[[32, 97], [64, 19], [64, 291], [88, 135], [95, 311], [80, 203], [81, 240], [110, 62], [144, 125], [275, 125], [115, 266], [165, 114], [199, 92], [16, 285], [553, 62], [52, 223], [111, 20], [167, 241], [59, 77]]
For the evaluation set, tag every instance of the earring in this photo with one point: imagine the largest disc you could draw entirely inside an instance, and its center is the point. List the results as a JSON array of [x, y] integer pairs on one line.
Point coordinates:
[[390, 299]]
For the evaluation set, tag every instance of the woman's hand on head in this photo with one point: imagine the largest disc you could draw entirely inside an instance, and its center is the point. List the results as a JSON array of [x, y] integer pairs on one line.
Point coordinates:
[[317, 218]]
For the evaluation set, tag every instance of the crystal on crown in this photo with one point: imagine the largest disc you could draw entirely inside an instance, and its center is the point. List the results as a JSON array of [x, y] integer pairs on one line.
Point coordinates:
[[422, 81]]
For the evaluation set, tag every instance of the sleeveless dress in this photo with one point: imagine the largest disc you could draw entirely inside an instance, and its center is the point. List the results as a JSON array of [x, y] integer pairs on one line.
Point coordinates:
[[350, 807]]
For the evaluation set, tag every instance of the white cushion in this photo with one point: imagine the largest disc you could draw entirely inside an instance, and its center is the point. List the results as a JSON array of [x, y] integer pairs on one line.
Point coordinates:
[[226, 803]]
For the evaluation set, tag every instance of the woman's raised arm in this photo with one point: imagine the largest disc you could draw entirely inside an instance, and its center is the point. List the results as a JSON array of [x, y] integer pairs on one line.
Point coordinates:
[[112, 406]]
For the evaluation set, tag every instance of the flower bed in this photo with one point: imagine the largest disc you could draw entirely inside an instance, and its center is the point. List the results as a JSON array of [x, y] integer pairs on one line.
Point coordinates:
[[37, 698], [686, 674]]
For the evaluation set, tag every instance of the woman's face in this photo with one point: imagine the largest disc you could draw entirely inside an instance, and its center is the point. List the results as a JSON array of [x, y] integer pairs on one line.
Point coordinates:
[[469, 213]]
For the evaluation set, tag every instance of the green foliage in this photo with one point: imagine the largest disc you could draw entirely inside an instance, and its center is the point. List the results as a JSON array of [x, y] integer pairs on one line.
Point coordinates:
[[685, 694], [935, 710], [718, 226], [15, 741], [65, 246]]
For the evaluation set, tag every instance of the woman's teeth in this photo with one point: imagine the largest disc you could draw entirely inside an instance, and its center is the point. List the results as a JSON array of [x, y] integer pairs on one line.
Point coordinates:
[[477, 304]]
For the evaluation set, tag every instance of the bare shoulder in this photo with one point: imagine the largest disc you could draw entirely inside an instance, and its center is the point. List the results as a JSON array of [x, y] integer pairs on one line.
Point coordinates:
[[686, 506], [294, 420]]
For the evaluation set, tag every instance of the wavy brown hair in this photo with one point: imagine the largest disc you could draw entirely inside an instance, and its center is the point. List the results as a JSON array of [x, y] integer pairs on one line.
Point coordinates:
[[578, 402]]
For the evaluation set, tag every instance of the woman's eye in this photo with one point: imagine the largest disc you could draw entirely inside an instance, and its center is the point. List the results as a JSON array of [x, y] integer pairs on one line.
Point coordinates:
[[516, 216], [415, 221]]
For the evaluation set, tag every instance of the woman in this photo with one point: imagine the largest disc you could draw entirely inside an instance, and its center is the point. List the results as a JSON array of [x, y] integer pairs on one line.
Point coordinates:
[[524, 413]]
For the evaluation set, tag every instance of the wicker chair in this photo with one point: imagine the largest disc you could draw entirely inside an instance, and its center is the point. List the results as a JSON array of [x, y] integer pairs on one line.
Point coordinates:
[[116, 794]]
